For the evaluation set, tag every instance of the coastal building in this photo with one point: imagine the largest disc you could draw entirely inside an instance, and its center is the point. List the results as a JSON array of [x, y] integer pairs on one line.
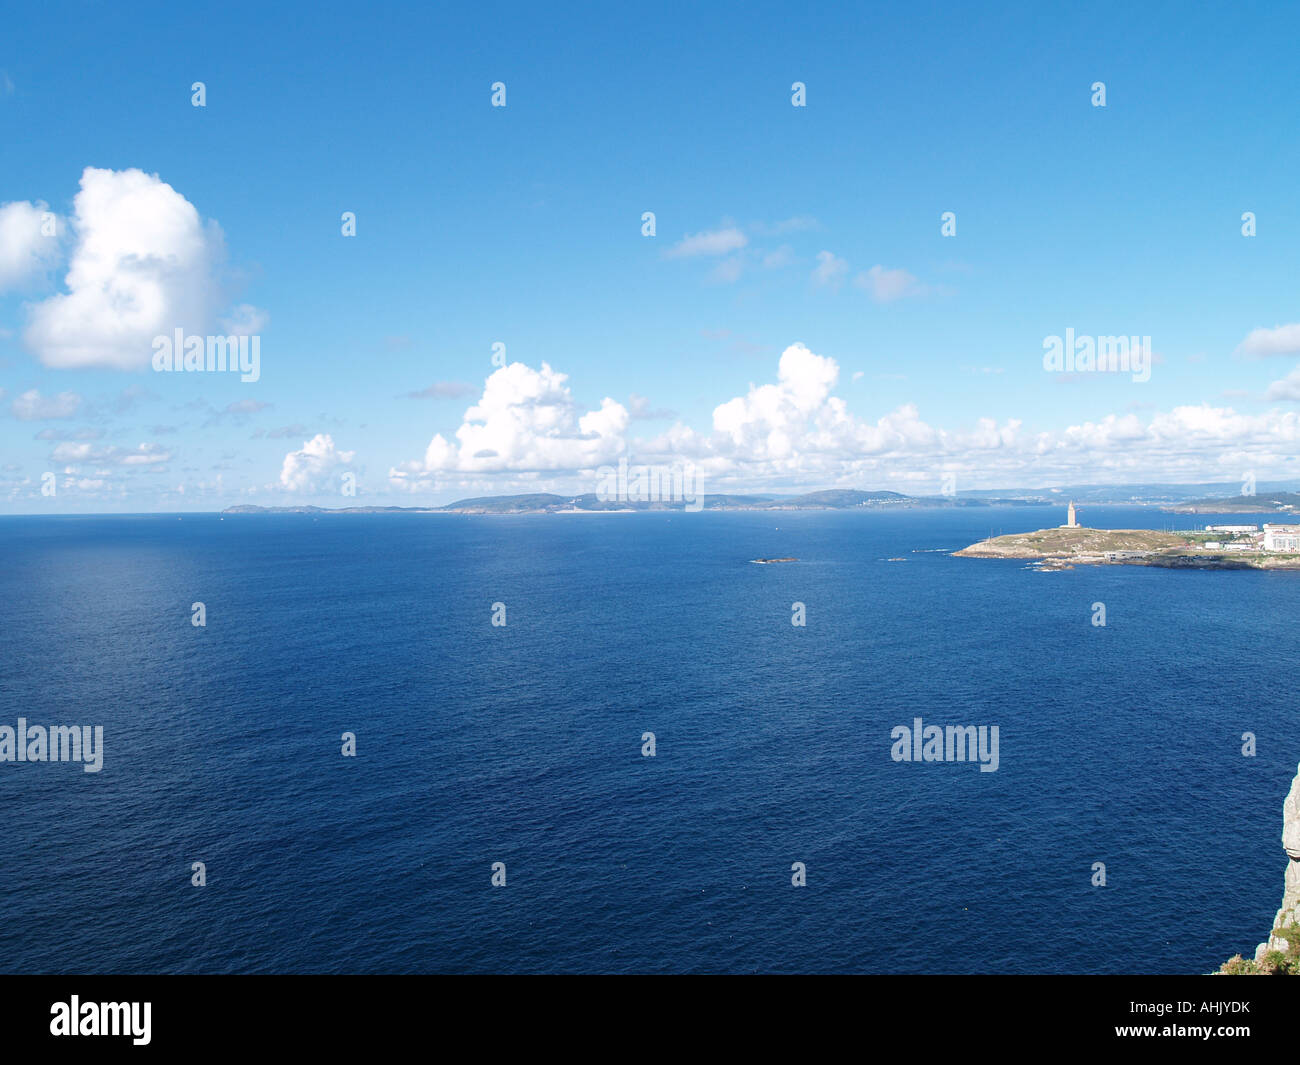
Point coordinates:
[[1232, 528], [1282, 538], [1072, 519]]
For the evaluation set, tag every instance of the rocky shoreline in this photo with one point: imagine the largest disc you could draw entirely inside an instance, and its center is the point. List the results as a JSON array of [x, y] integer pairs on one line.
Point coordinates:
[[1280, 954]]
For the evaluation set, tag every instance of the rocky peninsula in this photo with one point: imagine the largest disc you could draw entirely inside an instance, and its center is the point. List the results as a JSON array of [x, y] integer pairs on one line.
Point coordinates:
[[1069, 546]]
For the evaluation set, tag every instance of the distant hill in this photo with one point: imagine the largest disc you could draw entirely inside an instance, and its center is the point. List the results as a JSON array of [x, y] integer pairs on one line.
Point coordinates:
[[249, 508], [538, 501], [1261, 503], [842, 497]]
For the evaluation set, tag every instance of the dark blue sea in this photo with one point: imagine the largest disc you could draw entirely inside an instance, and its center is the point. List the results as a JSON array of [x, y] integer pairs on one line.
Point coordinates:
[[522, 744]]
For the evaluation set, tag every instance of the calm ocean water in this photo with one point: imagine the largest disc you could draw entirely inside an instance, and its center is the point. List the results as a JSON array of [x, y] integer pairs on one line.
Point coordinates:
[[522, 745]]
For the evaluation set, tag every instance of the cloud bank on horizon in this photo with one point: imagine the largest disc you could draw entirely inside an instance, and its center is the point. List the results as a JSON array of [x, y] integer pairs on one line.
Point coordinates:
[[141, 262]]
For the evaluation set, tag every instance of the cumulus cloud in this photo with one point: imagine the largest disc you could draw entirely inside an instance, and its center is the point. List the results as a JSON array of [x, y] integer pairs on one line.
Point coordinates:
[[526, 420], [796, 432], [711, 242], [1280, 340], [769, 421], [31, 406], [27, 250], [316, 466], [143, 265]]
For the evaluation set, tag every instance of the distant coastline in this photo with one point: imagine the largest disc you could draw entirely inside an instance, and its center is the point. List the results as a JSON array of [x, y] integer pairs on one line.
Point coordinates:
[[1283, 503], [1175, 499], [546, 503]]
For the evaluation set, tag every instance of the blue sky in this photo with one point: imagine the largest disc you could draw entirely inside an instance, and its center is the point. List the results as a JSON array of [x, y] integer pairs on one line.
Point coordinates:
[[810, 231]]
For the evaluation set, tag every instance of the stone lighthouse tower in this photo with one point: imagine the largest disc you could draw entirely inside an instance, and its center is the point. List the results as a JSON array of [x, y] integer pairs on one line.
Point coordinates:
[[1072, 519]]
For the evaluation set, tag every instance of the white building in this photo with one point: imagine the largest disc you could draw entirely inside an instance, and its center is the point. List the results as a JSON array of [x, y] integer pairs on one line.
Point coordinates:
[[1282, 538], [1232, 528]]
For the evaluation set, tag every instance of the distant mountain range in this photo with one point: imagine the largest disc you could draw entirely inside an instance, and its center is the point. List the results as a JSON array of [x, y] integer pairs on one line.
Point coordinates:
[[546, 503], [828, 499], [1187, 499]]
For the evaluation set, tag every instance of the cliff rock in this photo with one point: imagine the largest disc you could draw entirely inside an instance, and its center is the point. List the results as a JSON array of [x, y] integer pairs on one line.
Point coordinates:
[[1289, 915]]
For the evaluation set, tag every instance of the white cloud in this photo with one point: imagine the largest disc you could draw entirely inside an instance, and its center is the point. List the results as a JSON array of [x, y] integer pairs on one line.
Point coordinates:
[[142, 455], [782, 256], [830, 269], [88, 433], [713, 242], [526, 420], [443, 390], [771, 419], [639, 408], [1280, 340], [728, 271], [797, 432], [797, 224], [26, 253], [31, 406], [1286, 389], [316, 466], [885, 286], [245, 406], [244, 320], [143, 265]]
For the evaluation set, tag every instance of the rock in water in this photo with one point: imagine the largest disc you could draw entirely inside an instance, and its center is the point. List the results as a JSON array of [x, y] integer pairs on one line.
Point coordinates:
[[1289, 915]]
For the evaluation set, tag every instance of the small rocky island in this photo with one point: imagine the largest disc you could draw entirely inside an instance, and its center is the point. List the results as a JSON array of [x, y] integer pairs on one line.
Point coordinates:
[[769, 561]]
